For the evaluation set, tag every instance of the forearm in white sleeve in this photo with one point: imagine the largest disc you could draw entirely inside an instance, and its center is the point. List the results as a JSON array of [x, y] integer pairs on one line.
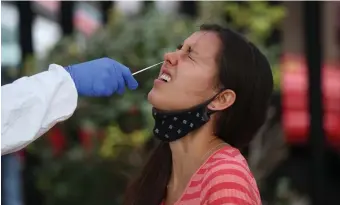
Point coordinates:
[[30, 106]]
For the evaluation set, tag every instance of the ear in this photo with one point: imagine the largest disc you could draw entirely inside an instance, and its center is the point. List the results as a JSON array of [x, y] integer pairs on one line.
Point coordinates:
[[222, 101]]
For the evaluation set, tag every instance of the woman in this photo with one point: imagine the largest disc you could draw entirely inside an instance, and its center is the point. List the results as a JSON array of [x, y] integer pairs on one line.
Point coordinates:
[[209, 100]]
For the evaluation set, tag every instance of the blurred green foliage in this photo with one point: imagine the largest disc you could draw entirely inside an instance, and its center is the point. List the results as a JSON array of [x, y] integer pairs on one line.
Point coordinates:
[[257, 20], [100, 175]]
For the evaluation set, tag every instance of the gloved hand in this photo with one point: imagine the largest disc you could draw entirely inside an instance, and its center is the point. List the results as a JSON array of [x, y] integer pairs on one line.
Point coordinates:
[[101, 77]]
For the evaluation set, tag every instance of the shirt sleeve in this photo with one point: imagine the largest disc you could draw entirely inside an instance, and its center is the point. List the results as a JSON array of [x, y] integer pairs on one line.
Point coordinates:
[[229, 183], [30, 106]]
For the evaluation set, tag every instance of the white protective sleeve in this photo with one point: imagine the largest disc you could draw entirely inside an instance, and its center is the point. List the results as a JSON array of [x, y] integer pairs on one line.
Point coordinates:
[[30, 106]]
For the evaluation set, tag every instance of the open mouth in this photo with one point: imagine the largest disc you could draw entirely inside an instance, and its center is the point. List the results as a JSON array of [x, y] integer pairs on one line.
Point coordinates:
[[165, 77]]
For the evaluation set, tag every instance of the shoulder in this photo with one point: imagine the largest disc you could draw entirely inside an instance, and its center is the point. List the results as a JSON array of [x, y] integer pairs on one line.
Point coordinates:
[[229, 180]]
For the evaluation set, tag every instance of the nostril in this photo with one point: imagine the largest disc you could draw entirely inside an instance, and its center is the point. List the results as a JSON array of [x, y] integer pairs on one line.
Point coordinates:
[[168, 61], [170, 58]]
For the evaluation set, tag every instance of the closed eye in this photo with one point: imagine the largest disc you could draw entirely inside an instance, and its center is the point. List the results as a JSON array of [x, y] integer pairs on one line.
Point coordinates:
[[189, 50]]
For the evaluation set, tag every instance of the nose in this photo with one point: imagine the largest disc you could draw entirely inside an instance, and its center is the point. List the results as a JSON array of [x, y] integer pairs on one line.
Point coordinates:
[[171, 58]]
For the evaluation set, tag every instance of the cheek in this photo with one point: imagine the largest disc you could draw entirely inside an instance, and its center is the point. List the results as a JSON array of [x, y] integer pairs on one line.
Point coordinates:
[[187, 90], [198, 84]]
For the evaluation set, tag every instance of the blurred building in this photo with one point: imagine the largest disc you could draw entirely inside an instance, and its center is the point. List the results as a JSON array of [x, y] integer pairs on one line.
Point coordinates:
[[295, 72], [314, 174]]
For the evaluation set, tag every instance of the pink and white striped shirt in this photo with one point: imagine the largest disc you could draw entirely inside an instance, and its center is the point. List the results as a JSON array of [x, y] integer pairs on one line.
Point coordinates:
[[224, 178]]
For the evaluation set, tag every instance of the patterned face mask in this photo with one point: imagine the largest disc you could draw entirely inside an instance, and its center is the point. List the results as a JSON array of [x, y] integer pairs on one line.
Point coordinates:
[[171, 126]]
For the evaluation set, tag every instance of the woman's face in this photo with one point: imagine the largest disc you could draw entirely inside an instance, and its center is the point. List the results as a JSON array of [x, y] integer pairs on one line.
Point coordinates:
[[190, 72]]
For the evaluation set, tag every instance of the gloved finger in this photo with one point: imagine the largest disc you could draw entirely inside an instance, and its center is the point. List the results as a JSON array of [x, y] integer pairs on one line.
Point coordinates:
[[117, 76], [114, 86], [120, 81], [131, 82], [111, 82], [108, 77]]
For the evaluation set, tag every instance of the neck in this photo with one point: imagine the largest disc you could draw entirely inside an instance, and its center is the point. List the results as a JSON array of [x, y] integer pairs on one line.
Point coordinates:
[[189, 153]]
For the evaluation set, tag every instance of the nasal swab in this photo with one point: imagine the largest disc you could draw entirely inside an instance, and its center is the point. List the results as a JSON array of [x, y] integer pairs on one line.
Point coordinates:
[[147, 68]]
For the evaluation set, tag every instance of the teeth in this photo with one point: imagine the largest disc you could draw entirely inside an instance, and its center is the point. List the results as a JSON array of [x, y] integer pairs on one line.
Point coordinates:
[[165, 77]]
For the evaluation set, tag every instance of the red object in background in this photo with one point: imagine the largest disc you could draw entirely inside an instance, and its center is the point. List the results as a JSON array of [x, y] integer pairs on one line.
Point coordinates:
[[85, 137], [57, 140], [85, 23], [295, 101], [133, 110]]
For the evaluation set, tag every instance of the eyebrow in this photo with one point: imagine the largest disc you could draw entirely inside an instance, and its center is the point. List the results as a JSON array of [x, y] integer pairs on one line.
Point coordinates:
[[192, 50]]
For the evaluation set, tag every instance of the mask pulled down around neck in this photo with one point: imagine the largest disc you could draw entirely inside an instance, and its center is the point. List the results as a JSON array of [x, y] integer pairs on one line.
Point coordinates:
[[171, 126]]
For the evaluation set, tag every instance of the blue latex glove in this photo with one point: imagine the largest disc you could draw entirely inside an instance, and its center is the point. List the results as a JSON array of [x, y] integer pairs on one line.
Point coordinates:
[[101, 77]]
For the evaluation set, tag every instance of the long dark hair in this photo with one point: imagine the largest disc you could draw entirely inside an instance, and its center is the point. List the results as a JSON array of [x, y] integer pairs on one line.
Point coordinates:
[[246, 71]]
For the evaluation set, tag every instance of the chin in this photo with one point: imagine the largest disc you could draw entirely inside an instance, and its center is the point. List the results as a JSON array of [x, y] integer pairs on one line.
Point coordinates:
[[157, 100], [163, 100], [152, 97]]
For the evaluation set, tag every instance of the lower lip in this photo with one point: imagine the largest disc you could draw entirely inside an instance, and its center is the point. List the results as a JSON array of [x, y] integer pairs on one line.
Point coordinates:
[[158, 81]]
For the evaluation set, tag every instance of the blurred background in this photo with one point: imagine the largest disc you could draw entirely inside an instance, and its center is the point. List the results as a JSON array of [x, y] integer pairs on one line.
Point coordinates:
[[89, 159]]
